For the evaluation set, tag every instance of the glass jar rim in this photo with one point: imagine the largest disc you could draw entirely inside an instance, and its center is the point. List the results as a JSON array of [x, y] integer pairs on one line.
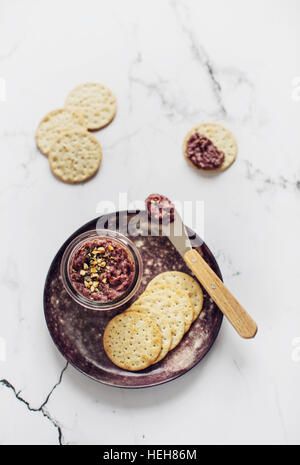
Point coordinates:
[[69, 253]]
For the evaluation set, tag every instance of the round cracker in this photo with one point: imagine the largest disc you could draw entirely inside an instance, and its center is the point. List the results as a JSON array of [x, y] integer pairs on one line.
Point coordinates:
[[183, 281], [75, 156], [168, 308], [163, 325], [221, 137], [179, 297], [132, 341], [55, 123], [95, 101]]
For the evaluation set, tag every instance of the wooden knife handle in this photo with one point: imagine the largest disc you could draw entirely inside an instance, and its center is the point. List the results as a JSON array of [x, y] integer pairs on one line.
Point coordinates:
[[227, 303]]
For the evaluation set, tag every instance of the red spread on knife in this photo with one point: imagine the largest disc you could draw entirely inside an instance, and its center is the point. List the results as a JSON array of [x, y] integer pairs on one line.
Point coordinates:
[[160, 208]]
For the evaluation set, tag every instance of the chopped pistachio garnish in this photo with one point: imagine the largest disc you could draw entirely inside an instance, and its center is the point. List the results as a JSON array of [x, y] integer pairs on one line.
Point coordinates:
[[96, 266]]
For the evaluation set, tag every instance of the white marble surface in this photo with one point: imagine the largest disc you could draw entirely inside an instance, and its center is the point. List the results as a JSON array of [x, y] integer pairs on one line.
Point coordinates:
[[171, 64]]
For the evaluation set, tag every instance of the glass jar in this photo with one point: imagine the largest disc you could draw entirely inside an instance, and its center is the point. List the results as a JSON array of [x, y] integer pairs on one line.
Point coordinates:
[[67, 271]]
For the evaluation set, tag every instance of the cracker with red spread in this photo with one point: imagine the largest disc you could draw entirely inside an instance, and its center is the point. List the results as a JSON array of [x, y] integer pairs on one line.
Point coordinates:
[[210, 147]]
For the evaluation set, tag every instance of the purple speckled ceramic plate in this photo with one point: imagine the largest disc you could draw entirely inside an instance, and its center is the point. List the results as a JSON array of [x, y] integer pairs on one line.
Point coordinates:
[[77, 332]]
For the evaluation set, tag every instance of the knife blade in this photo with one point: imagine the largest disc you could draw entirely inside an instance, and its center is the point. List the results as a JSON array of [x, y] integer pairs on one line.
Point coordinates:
[[177, 234]]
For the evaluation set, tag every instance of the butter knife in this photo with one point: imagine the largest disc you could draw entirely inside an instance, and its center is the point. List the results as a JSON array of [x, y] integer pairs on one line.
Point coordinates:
[[227, 303]]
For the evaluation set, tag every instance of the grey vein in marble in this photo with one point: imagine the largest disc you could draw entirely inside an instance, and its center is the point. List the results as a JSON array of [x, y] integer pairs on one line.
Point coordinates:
[[162, 88], [199, 54], [238, 81], [10, 52], [41, 409], [136, 61], [166, 94], [256, 174]]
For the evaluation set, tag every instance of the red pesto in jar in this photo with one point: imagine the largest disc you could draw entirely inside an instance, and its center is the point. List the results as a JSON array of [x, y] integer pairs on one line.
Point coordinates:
[[160, 208], [102, 269]]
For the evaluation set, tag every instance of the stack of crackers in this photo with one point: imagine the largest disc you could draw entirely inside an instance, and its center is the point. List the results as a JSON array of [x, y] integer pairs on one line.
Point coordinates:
[[155, 323], [74, 154]]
